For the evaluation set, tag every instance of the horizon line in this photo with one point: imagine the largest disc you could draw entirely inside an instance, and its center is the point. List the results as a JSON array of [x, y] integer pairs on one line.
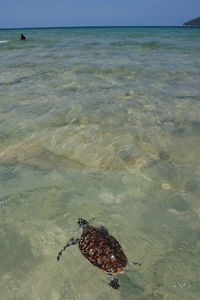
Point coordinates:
[[93, 26]]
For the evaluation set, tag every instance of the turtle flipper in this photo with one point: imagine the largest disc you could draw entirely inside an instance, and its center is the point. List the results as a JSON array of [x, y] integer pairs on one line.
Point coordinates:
[[113, 282], [72, 241]]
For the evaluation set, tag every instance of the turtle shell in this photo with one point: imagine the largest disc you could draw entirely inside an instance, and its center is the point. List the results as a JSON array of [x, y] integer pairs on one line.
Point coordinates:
[[102, 250]]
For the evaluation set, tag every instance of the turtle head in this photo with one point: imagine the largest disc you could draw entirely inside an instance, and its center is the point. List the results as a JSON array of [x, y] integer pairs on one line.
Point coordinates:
[[82, 223]]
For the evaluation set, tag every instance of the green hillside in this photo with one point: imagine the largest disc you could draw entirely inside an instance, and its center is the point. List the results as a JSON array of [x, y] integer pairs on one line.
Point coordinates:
[[193, 22]]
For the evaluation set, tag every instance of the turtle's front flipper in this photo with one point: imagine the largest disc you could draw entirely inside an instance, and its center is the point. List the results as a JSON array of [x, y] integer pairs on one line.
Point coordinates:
[[113, 282], [72, 241]]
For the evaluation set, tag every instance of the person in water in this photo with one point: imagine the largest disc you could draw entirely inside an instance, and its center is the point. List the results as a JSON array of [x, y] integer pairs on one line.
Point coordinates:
[[22, 37]]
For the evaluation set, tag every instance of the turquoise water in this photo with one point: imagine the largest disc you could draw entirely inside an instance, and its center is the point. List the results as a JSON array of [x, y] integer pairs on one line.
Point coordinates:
[[100, 123]]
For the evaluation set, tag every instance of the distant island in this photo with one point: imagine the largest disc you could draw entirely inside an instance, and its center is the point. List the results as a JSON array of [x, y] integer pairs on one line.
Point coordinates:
[[193, 22]]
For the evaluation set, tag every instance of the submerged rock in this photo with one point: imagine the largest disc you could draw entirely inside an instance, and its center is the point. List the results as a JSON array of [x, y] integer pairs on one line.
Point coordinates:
[[163, 155]]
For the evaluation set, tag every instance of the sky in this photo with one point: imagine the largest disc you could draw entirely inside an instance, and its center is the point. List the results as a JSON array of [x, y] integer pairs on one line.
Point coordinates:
[[61, 13]]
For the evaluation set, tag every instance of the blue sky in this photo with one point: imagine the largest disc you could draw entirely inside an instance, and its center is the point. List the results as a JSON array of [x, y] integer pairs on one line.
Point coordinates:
[[45, 13]]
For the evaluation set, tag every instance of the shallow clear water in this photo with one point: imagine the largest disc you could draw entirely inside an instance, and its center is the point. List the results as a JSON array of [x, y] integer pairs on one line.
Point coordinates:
[[100, 123]]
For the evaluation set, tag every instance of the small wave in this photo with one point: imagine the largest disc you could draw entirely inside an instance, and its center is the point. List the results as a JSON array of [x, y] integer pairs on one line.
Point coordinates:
[[2, 42]]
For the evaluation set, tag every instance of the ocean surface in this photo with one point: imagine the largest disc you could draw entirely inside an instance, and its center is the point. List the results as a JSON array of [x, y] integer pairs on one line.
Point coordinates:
[[104, 124]]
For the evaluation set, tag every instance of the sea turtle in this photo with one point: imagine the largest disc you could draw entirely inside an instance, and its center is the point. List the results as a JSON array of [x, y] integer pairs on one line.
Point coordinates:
[[101, 249]]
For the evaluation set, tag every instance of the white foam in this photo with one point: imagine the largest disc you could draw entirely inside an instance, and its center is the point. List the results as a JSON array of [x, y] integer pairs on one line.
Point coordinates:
[[2, 42]]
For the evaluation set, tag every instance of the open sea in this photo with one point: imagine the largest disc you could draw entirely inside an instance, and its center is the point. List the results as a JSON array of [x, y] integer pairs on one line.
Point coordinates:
[[104, 124]]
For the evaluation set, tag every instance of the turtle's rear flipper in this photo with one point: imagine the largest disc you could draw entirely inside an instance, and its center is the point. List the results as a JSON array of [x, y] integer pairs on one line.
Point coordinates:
[[113, 282], [72, 241]]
